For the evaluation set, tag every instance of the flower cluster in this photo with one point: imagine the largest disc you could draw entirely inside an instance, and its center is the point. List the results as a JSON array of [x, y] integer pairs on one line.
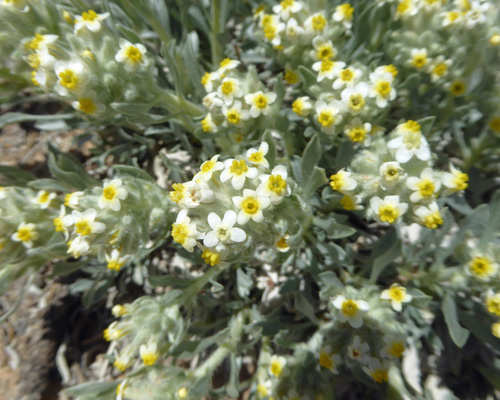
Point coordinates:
[[395, 177], [230, 209], [238, 103]]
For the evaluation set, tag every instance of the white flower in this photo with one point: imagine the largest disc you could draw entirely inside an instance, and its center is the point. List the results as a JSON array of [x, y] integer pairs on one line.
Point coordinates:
[[346, 77], [184, 232], [316, 24], [354, 97], [227, 65], [323, 49], [329, 360], [256, 156], [477, 14], [286, 8], [359, 350], [277, 366], [351, 202], [72, 200], [251, 206], [20, 5], [229, 89], [429, 216], [85, 224], [44, 199], [116, 260], [377, 370], [88, 104], [78, 247], [356, 130], [237, 171], [328, 115], [409, 144], [391, 174], [260, 103], [59, 225], [120, 390], [455, 180], [275, 185], [234, 114], [439, 68], [342, 182], [208, 80], [265, 389], [293, 31], [328, 69], [270, 283], [394, 347], [351, 311], [419, 58], [132, 55], [223, 231], [71, 77], [343, 13], [212, 102], [397, 295], [425, 187], [112, 193], [387, 210], [208, 168], [26, 234], [40, 42], [196, 193], [452, 18], [302, 106], [90, 20], [381, 88], [406, 8], [149, 353]]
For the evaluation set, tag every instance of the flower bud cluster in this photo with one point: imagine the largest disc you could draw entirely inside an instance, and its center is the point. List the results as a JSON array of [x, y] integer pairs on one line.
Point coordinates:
[[238, 103], [232, 208], [146, 329], [395, 179], [349, 98]]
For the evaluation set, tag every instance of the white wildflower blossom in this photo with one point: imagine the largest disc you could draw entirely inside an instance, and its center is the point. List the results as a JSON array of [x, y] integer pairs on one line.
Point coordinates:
[[112, 193], [251, 205], [131, 55], [89, 20], [223, 231], [390, 209], [260, 103], [237, 171], [350, 310]]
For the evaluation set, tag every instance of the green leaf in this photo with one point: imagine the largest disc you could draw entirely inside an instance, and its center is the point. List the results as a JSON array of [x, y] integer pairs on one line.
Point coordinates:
[[49, 185], [93, 389], [316, 180], [493, 221], [426, 125], [243, 283], [132, 108], [311, 156], [385, 251], [302, 303], [271, 154], [133, 172], [232, 386], [12, 176], [169, 280], [458, 334], [13, 117]]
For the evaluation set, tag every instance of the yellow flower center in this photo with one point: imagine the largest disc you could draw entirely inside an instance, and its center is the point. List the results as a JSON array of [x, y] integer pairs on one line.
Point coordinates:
[[233, 116], [348, 203], [207, 166], [89, 16], [318, 22], [433, 220], [67, 199], [180, 232], [357, 133], [337, 181], [325, 360], [349, 308], [388, 213], [58, 224], [25, 234], [83, 228], [115, 265], [286, 4], [457, 88], [403, 7], [182, 393], [397, 293], [481, 267], [397, 349], [205, 79], [460, 180], [495, 39], [224, 63], [326, 65], [276, 184], [347, 10], [391, 173], [325, 51], [419, 60], [291, 77], [43, 198], [440, 69], [326, 118], [35, 42], [412, 140], [282, 244], [426, 187], [356, 102], [347, 75], [210, 257], [227, 87], [133, 54], [149, 358], [68, 79], [298, 106], [87, 105], [379, 375], [238, 167], [250, 205], [495, 124], [205, 123], [178, 193], [270, 31], [276, 368], [412, 126], [256, 157], [34, 61], [391, 69], [495, 329], [493, 304], [109, 192], [262, 390], [260, 101], [383, 88]]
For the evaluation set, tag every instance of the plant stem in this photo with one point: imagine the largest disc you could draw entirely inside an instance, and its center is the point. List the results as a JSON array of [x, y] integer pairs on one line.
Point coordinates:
[[216, 50]]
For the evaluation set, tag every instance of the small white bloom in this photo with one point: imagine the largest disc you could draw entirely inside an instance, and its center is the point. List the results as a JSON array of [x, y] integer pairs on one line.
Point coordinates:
[[212, 102], [354, 97], [237, 172], [251, 206], [277, 366], [477, 14], [88, 104], [71, 77], [346, 77], [115, 260], [439, 68], [78, 247], [44, 199], [351, 311], [419, 58], [275, 186], [227, 65], [391, 174], [322, 49], [316, 25], [209, 79], [223, 231], [112, 193], [90, 20], [149, 353], [234, 114], [409, 144], [260, 102], [72, 200], [329, 115], [357, 130], [20, 5], [394, 347], [455, 180], [302, 106], [397, 295], [377, 370], [85, 224], [387, 210], [429, 216], [184, 232], [293, 31], [256, 156], [343, 13], [359, 350], [425, 187], [196, 193], [208, 168], [26, 234], [381, 88], [329, 360], [286, 8], [132, 55], [40, 42], [328, 69], [342, 182], [229, 90]]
